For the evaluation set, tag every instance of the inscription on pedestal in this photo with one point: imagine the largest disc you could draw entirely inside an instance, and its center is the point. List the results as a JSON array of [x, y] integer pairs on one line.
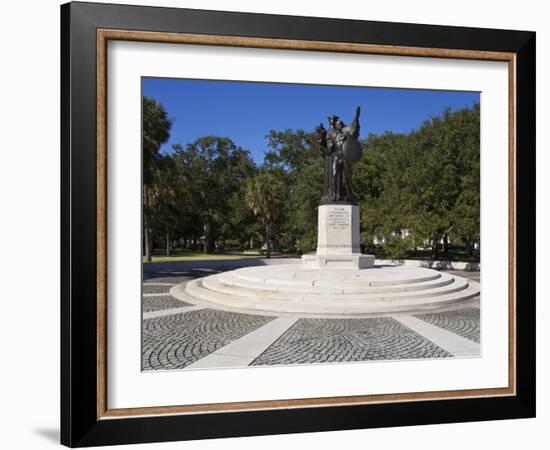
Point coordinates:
[[338, 229], [338, 240], [339, 218]]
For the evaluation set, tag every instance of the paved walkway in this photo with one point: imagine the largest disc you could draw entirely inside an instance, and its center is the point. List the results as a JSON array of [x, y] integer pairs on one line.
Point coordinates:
[[180, 335]]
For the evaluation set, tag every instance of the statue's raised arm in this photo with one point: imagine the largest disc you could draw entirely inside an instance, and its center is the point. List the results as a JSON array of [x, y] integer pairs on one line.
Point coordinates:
[[354, 126]]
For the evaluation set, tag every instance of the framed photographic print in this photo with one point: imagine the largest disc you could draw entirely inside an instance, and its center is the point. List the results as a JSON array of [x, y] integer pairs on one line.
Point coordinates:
[[276, 224]]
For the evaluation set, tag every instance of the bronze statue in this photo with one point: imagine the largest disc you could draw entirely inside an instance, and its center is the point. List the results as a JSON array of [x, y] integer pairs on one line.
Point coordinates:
[[340, 149]]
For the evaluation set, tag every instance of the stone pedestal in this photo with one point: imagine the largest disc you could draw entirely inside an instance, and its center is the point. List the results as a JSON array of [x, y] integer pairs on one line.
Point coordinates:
[[338, 240]]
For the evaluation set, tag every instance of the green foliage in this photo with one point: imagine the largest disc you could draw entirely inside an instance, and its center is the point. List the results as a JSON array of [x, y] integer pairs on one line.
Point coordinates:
[[156, 131], [295, 156], [301, 208], [290, 151], [264, 195], [397, 247], [163, 195], [426, 182], [211, 173]]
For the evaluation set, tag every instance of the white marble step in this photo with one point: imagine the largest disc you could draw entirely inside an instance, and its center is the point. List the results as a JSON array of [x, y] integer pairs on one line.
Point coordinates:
[[230, 279], [214, 283], [291, 275], [208, 298]]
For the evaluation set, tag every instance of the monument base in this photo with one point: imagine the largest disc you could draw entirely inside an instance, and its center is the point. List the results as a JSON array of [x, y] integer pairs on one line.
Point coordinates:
[[352, 261], [338, 240], [292, 289]]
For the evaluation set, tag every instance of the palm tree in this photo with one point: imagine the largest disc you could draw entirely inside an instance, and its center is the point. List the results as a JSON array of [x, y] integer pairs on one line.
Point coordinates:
[[264, 196], [156, 131]]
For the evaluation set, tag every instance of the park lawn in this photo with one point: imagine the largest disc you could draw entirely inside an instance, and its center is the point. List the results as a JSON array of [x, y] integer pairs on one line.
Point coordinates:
[[200, 256]]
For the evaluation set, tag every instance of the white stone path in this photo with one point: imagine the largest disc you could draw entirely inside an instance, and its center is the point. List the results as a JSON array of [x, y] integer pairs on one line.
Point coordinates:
[[453, 343], [168, 312], [241, 352]]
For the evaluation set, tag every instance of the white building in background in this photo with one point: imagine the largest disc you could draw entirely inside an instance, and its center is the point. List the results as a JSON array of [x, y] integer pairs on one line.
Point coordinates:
[[405, 232]]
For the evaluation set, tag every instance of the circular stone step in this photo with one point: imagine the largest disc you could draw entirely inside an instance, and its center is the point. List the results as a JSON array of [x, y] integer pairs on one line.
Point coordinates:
[[214, 284], [295, 275], [348, 287], [291, 289]]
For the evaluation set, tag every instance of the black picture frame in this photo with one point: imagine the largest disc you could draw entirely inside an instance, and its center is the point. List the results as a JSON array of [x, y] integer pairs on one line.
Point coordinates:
[[80, 424]]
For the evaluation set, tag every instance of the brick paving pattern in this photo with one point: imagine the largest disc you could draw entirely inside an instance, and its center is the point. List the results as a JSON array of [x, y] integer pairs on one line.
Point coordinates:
[[175, 341], [155, 275], [150, 304], [464, 322], [474, 276], [337, 340], [152, 289], [169, 280]]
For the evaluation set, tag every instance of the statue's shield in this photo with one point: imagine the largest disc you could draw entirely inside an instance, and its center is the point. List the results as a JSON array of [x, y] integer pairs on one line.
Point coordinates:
[[352, 150]]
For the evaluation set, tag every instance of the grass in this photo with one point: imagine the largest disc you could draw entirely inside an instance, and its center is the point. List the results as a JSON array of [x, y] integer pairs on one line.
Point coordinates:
[[201, 256], [189, 255]]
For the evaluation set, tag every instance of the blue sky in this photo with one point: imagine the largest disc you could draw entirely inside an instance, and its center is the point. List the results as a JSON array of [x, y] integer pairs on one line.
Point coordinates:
[[246, 111]]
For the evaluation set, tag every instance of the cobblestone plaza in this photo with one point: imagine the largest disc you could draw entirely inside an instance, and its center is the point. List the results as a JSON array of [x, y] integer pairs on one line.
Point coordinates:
[[177, 334]]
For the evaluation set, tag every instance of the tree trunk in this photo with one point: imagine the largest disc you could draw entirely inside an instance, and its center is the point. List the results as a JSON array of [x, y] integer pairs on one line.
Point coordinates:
[[206, 233], [435, 246], [167, 242], [146, 227], [268, 240], [148, 242], [208, 236], [445, 244]]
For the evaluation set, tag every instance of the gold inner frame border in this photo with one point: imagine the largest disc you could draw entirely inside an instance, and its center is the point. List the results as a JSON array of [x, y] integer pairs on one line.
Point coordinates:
[[105, 35]]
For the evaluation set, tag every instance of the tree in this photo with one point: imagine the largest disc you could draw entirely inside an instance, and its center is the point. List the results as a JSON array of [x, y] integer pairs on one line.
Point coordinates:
[[300, 225], [156, 131], [293, 156], [265, 196], [163, 193], [239, 223], [290, 150], [425, 182], [211, 170]]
